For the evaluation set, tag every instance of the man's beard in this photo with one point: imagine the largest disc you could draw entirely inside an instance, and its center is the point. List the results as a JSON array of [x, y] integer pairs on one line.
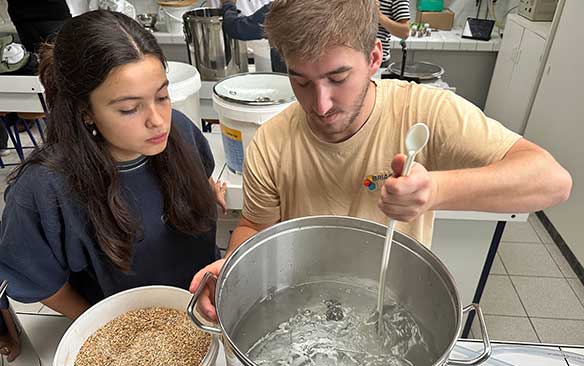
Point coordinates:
[[357, 107], [354, 110]]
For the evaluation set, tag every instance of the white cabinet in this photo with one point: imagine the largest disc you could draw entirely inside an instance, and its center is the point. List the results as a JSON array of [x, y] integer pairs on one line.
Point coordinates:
[[516, 71], [556, 121]]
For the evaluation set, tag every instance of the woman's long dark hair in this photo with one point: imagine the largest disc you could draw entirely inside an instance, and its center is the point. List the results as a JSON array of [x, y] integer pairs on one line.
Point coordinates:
[[84, 53]]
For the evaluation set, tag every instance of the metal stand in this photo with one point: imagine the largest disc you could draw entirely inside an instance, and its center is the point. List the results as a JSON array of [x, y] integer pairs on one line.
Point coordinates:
[[485, 273]]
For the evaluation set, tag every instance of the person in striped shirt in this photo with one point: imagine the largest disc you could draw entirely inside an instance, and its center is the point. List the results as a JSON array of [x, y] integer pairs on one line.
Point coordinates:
[[394, 16]]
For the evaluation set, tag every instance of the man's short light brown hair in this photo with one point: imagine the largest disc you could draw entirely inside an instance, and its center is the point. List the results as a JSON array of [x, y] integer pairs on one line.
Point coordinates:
[[305, 29]]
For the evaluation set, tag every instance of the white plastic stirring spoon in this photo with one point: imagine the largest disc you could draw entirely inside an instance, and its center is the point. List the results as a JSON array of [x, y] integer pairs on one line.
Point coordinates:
[[416, 139]]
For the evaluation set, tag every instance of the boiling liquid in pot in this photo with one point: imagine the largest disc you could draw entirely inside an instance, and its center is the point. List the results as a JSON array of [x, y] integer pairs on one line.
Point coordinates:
[[331, 323]]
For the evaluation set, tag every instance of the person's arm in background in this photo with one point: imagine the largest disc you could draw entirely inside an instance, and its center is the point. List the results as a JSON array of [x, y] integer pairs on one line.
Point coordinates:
[[245, 28], [394, 16], [399, 28]]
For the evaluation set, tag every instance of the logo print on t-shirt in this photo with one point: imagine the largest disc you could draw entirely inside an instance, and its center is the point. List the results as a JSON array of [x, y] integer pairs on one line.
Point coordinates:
[[373, 182]]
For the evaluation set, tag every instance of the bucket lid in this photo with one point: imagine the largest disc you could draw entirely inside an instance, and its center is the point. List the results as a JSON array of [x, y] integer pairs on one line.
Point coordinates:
[[176, 3], [421, 70], [257, 88]]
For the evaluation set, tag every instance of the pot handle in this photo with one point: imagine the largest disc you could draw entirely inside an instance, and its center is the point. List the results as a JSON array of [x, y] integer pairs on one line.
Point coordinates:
[[486, 342], [191, 308]]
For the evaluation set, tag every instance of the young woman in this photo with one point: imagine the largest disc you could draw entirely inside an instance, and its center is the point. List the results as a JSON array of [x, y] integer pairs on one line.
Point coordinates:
[[119, 195]]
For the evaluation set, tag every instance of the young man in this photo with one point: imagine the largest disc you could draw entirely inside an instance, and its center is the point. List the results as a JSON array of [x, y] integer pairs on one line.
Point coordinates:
[[322, 154]]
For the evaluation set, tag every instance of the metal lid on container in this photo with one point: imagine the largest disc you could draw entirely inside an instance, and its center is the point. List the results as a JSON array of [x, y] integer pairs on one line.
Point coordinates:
[[205, 15], [257, 88], [176, 3], [421, 70]]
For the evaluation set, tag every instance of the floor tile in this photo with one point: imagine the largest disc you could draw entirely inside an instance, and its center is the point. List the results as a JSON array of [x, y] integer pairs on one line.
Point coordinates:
[[541, 232], [20, 307], [528, 260], [561, 261], [520, 232], [500, 298], [548, 297], [498, 267], [507, 328], [559, 331], [578, 288]]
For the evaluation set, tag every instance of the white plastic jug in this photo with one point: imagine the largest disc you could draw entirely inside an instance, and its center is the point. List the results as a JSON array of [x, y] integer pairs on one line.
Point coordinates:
[[183, 89]]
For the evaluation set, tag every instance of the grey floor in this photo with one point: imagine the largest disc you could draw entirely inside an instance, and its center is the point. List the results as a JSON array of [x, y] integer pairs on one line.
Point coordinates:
[[532, 294]]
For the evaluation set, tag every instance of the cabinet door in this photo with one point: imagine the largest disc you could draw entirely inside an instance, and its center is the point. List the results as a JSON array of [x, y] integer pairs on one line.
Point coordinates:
[[522, 81], [498, 99], [557, 123]]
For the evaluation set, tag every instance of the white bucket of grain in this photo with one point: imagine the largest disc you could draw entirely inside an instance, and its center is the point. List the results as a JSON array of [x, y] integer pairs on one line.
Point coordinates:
[[110, 308], [183, 89], [244, 102]]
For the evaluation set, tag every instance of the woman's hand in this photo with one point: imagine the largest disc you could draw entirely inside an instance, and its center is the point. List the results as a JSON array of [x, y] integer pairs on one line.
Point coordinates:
[[205, 305], [9, 342], [219, 188]]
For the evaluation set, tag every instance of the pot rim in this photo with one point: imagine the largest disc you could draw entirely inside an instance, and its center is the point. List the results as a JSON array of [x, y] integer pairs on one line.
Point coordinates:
[[328, 220]]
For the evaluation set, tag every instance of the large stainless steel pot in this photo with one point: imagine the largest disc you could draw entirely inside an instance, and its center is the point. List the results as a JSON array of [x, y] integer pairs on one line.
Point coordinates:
[[324, 247], [210, 50]]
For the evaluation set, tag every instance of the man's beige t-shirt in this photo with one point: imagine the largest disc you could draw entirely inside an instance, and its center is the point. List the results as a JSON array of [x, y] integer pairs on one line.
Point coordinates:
[[290, 173]]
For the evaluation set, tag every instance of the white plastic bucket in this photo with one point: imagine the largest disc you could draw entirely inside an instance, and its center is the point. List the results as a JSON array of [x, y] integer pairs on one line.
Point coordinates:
[[174, 20], [183, 89], [244, 102], [261, 54], [109, 308]]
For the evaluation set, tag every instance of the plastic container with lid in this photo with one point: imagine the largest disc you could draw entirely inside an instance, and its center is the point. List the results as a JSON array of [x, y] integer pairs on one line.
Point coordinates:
[[244, 102], [173, 11], [183, 89]]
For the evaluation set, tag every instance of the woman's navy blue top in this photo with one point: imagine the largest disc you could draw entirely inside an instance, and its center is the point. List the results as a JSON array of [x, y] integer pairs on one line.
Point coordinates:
[[47, 240]]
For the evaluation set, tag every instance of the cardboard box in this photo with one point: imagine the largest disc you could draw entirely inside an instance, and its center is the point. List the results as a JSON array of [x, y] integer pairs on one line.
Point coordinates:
[[440, 20]]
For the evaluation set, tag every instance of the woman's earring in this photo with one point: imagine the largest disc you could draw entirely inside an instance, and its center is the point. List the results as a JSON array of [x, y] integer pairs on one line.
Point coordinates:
[[91, 127]]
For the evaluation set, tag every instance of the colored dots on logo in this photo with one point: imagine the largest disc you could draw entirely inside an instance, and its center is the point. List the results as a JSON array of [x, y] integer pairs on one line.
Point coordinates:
[[368, 182]]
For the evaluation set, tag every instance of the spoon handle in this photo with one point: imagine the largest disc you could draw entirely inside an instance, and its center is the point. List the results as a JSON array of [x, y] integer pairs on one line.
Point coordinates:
[[387, 248], [408, 164]]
